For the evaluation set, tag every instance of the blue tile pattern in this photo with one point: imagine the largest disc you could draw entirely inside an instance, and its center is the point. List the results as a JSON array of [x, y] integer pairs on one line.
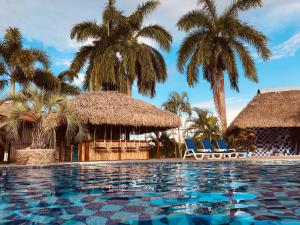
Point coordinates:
[[217, 193]]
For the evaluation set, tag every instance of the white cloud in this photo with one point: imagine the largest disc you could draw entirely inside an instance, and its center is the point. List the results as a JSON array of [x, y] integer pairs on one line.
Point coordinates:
[[234, 106], [50, 21], [288, 48], [63, 62], [79, 80]]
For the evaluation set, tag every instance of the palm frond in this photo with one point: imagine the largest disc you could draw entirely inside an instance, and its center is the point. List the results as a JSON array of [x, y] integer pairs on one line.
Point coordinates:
[[210, 7], [195, 19], [86, 30], [41, 57], [158, 34], [81, 57], [142, 11], [238, 6]]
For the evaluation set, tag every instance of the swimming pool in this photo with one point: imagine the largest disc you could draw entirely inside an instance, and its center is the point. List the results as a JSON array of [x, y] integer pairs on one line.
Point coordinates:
[[152, 193]]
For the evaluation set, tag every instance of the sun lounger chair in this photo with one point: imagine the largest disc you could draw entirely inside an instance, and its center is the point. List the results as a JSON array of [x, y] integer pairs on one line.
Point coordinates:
[[212, 152], [192, 150], [234, 153]]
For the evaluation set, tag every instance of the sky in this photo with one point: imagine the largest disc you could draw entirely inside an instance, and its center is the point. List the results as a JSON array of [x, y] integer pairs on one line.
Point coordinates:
[[46, 24]]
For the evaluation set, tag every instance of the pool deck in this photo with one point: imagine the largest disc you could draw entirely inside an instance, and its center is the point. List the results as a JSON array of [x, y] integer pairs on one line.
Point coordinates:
[[266, 159]]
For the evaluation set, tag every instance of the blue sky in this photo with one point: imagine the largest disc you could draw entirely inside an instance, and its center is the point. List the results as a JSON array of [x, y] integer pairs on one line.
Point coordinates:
[[46, 24]]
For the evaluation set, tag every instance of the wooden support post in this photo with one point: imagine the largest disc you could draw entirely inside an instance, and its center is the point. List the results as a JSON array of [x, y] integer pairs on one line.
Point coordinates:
[[157, 144], [71, 153]]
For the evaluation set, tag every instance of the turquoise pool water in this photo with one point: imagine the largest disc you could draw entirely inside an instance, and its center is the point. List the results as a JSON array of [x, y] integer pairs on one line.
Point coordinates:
[[216, 193]]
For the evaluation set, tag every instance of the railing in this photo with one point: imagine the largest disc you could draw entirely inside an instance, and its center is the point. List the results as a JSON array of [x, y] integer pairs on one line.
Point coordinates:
[[120, 145]]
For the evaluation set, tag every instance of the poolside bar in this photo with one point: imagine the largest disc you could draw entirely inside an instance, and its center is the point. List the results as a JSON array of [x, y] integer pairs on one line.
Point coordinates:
[[117, 125]]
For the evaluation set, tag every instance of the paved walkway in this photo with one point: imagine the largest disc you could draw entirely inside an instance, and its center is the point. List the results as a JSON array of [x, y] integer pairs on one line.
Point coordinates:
[[269, 158]]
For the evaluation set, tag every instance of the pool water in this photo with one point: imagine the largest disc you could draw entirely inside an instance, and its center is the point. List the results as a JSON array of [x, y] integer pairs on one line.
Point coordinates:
[[217, 193]]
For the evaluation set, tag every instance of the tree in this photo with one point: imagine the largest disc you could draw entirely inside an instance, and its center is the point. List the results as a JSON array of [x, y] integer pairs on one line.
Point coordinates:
[[38, 108], [118, 56], [216, 42], [204, 124], [18, 64], [178, 104], [59, 84]]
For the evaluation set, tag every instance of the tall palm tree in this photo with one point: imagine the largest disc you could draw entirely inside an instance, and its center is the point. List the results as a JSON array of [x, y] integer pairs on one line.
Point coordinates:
[[60, 84], [217, 42], [40, 106], [178, 104], [18, 64], [204, 124], [118, 56]]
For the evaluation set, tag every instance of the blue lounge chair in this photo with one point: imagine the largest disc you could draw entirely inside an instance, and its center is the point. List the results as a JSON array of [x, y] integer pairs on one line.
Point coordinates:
[[192, 150], [223, 145], [213, 153]]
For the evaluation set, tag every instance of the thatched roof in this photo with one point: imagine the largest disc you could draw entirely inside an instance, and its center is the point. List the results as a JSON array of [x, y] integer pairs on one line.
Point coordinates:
[[4, 110], [114, 108], [277, 108]]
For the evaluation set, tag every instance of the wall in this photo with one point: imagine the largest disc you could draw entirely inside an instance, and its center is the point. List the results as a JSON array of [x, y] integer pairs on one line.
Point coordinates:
[[273, 140]]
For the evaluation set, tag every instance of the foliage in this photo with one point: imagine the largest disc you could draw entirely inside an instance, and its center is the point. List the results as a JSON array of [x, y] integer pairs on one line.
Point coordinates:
[[167, 146], [178, 103], [203, 125], [18, 64], [216, 42], [118, 57], [41, 109], [60, 84], [242, 139]]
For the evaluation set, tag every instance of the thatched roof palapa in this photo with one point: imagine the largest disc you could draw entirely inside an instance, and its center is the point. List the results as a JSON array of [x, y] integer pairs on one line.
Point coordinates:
[[277, 108], [113, 108]]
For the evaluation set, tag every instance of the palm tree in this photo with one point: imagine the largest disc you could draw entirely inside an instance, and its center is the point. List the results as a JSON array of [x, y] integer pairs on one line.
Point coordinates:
[[216, 42], [60, 84], [40, 107], [117, 58], [178, 104], [204, 124], [18, 64]]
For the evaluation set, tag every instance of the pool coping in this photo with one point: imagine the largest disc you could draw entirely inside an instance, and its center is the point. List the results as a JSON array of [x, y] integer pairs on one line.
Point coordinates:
[[250, 159]]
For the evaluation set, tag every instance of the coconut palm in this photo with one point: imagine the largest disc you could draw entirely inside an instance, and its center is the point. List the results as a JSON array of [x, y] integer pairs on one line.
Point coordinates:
[[60, 84], [118, 57], [18, 64], [216, 43], [203, 124], [39, 108], [178, 104]]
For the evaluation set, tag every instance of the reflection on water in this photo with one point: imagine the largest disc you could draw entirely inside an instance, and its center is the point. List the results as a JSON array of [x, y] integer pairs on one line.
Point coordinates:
[[154, 193]]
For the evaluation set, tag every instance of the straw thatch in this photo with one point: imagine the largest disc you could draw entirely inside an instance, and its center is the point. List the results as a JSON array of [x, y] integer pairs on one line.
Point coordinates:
[[4, 111], [119, 109], [271, 109]]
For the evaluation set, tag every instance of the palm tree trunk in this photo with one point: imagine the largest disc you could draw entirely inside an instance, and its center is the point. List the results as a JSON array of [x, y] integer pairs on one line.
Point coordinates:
[[12, 86], [179, 142], [222, 103], [39, 138], [129, 87], [214, 85]]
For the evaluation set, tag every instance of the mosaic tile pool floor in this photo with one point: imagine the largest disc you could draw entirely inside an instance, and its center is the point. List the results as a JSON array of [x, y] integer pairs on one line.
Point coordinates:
[[217, 193]]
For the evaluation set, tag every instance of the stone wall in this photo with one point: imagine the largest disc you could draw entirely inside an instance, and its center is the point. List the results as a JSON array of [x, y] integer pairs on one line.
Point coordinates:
[[35, 156]]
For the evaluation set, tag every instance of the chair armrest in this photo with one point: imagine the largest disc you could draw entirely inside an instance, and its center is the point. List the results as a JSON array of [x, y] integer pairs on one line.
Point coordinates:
[[220, 150], [203, 150]]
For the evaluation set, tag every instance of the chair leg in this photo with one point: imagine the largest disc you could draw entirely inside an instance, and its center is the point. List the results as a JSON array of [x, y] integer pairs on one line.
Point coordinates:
[[236, 155], [185, 154], [210, 156], [218, 156], [201, 157]]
